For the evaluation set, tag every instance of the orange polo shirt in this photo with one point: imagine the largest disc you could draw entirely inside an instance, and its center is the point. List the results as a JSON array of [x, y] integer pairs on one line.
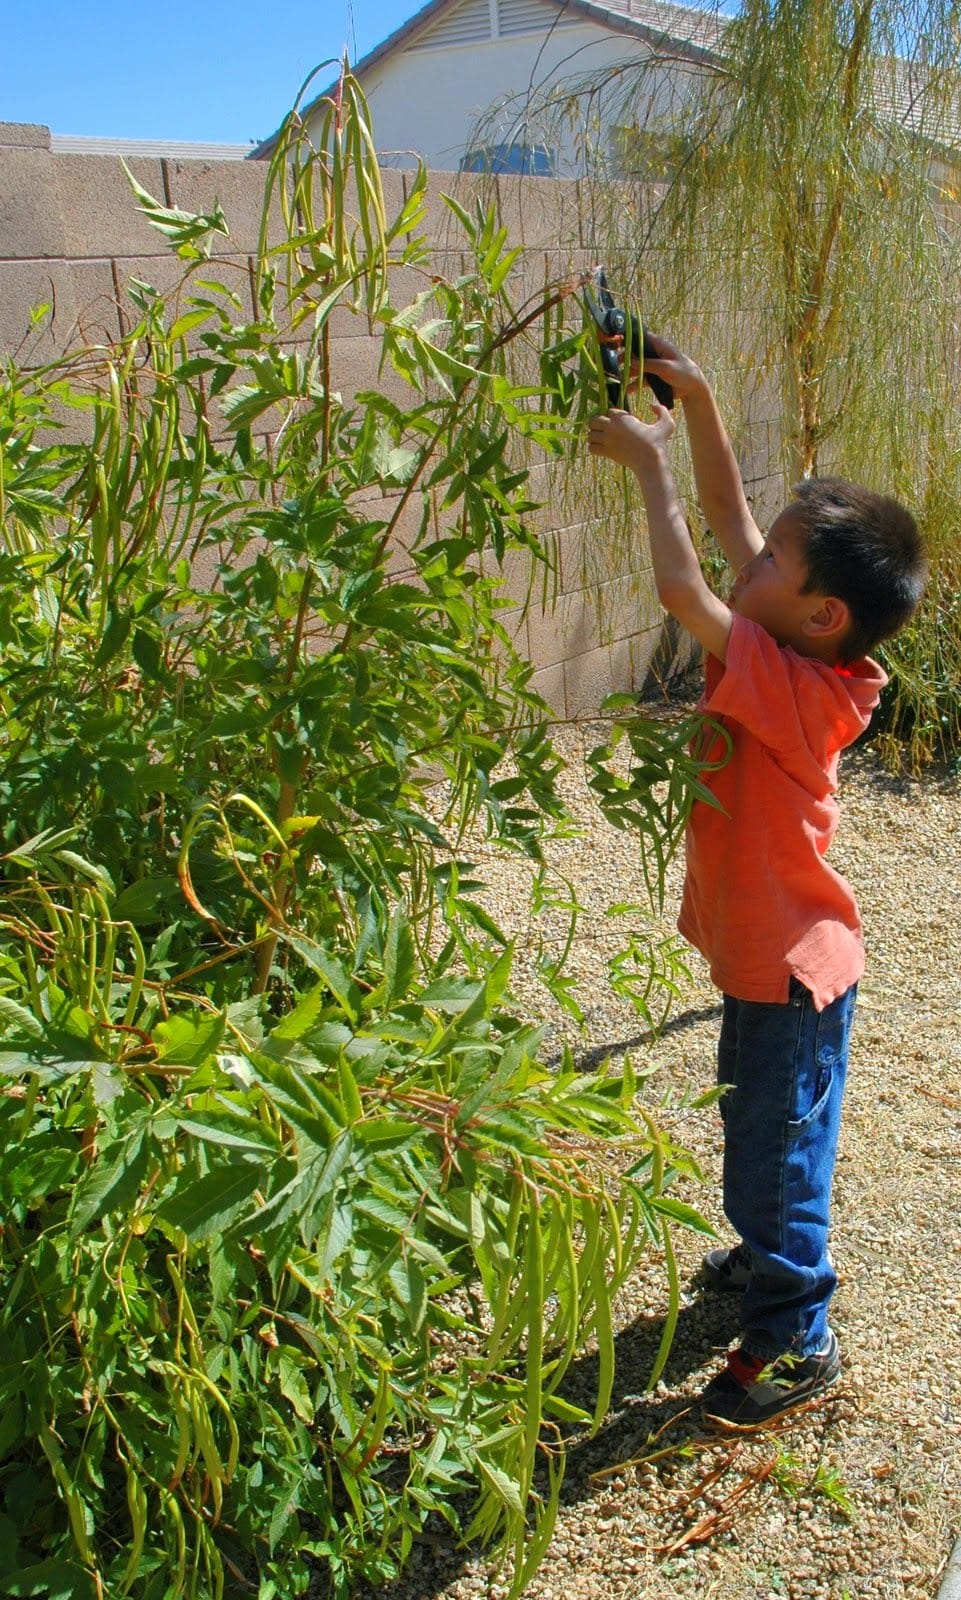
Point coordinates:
[[760, 901]]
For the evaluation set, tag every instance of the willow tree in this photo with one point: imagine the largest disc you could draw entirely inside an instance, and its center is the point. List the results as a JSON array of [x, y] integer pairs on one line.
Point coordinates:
[[784, 202]]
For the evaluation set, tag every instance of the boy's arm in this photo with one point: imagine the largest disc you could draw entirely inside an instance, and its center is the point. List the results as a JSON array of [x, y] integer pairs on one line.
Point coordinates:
[[681, 587], [716, 472]]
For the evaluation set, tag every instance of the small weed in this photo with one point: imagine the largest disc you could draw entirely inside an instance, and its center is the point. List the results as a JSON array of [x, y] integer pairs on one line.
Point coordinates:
[[792, 1478], [828, 1481], [787, 1473]]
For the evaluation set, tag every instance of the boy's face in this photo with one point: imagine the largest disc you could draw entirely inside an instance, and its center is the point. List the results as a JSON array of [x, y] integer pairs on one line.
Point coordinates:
[[769, 588]]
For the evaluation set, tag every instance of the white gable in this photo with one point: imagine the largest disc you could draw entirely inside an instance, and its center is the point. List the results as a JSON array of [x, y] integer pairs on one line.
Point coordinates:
[[460, 82]]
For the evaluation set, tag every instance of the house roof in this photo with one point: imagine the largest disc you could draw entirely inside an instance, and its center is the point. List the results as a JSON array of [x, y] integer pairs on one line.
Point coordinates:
[[656, 22], [899, 89]]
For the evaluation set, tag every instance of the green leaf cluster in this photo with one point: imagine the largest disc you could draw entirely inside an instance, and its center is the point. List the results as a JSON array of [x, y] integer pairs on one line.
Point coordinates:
[[274, 1291]]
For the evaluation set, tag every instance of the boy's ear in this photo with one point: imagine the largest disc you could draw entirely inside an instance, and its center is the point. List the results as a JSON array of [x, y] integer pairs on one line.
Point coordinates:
[[830, 619]]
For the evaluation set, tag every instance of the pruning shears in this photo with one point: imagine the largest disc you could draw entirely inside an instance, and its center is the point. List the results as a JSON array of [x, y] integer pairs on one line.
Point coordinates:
[[612, 322]]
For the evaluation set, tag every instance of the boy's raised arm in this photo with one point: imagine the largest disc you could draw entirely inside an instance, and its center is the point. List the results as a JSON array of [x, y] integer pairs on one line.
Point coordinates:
[[716, 473], [681, 587]]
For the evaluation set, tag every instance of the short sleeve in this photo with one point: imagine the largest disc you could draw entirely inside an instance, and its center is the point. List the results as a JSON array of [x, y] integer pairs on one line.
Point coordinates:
[[788, 702]]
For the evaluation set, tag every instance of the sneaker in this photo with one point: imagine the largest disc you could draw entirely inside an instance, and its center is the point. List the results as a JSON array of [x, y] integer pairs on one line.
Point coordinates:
[[751, 1391], [727, 1271]]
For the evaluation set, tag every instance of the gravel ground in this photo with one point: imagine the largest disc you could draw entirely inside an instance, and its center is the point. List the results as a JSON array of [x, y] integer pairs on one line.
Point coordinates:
[[859, 1499]]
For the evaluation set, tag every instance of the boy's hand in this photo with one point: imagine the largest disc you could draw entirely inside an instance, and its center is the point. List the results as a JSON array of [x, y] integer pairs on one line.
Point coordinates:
[[621, 437], [683, 375]]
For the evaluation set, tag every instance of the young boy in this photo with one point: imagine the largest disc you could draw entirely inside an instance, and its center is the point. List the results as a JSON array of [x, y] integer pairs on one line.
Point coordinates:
[[789, 678]]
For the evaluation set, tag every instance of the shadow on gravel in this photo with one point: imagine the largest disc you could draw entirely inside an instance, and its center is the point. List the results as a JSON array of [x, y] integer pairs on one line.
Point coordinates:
[[705, 1328], [589, 1060]]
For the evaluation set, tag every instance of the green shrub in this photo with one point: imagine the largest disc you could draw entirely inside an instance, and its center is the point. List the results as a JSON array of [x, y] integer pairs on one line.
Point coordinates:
[[299, 1238]]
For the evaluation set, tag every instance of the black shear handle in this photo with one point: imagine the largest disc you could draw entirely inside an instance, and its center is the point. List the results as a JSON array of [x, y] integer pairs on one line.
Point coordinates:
[[616, 323]]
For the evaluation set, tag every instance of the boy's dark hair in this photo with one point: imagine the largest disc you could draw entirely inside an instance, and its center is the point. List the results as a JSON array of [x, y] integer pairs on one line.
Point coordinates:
[[865, 549]]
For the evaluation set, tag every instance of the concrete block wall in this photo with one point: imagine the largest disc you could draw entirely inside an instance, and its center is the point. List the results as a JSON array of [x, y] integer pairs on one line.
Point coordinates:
[[71, 238]]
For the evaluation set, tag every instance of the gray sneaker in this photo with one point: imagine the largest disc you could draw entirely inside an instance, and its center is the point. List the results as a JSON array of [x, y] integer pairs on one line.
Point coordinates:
[[727, 1271], [751, 1391]]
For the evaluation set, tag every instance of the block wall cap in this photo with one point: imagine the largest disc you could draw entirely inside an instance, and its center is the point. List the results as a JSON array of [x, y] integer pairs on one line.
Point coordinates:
[[28, 135]]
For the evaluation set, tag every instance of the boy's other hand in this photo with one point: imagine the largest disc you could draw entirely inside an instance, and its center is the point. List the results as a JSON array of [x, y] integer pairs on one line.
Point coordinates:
[[621, 437]]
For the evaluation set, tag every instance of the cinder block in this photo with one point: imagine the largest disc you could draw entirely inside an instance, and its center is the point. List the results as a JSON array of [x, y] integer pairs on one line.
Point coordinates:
[[98, 314], [510, 193], [101, 214], [205, 572], [394, 190], [549, 684], [518, 576], [643, 650], [594, 208], [622, 666], [583, 619], [407, 282], [239, 187], [166, 274], [407, 530], [549, 216], [586, 559], [81, 308], [663, 653], [514, 620], [565, 492], [355, 366], [178, 283], [440, 225], [83, 318], [547, 645], [588, 620], [28, 135], [587, 678], [31, 223], [619, 668], [563, 268], [528, 288], [568, 516]]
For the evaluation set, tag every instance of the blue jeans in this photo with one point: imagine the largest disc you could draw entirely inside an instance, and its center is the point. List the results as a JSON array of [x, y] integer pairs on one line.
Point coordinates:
[[786, 1066]]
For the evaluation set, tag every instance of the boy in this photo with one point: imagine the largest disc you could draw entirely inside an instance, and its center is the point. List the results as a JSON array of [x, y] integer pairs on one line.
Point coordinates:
[[789, 677]]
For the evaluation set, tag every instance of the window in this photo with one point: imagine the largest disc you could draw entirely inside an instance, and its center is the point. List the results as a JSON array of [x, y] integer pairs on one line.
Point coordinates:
[[529, 160]]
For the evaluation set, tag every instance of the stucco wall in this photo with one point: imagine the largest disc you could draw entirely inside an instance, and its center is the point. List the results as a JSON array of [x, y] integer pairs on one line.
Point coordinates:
[[71, 238]]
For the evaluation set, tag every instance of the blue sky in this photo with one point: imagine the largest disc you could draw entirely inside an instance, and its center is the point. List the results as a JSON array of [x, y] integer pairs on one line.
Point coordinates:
[[186, 69]]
